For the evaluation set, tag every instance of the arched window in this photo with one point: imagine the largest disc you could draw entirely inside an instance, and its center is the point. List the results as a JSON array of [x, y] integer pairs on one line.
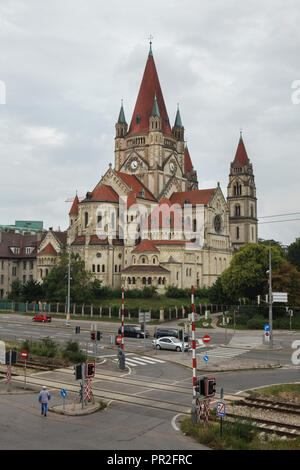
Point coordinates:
[[133, 280], [154, 261], [129, 280], [144, 281], [143, 260], [195, 225], [86, 219], [103, 268], [98, 268], [149, 280], [238, 232], [237, 209]]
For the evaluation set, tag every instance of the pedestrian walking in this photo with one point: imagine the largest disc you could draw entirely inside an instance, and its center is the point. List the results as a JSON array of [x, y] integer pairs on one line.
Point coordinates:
[[44, 397]]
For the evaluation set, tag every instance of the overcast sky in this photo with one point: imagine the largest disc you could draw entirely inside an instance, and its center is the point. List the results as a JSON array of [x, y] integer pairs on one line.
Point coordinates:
[[66, 65]]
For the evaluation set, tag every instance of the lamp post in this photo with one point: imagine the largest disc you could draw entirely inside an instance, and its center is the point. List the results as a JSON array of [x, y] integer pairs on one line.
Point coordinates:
[[270, 297], [69, 282]]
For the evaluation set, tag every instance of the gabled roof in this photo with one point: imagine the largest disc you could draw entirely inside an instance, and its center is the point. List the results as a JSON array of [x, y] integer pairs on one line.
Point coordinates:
[[150, 87], [241, 157], [198, 196], [135, 185], [48, 250]]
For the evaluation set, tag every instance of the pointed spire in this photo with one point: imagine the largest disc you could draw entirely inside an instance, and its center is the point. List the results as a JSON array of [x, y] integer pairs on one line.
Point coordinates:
[[150, 87], [121, 119], [178, 122], [188, 166], [155, 110], [74, 208], [241, 157], [150, 41]]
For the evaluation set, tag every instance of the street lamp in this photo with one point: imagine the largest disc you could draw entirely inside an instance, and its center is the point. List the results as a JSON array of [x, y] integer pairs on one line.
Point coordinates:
[[69, 282], [270, 297]]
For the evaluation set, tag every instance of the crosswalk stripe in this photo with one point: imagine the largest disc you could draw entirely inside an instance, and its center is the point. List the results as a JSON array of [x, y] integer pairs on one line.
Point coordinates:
[[153, 359]]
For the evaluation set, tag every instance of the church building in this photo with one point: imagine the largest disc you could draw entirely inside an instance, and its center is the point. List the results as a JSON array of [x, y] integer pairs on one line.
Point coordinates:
[[146, 222]]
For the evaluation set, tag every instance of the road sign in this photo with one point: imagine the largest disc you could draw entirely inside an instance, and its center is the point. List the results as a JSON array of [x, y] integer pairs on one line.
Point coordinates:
[[267, 327], [2, 352], [144, 317], [279, 297], [119, 339], [63, 393], [205, 358], [267, 333], [206, 339], [24, 354], [220, 409]]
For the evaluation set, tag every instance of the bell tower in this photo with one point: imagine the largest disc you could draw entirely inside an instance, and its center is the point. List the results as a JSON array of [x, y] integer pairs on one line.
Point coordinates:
[[241, 199]]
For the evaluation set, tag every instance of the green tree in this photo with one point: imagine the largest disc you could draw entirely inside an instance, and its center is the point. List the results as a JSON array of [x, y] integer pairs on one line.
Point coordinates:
[[246, 275], [293, 254], [32, 290], [56, 283], [273, 243], [287, 279], [16, 290]]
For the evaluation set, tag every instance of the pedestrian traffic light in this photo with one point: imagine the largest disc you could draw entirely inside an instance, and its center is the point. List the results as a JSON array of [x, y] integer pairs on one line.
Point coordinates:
[[99, 335], [210, 387], [90, 369], [78, 371], [93, 336], [11, 357]]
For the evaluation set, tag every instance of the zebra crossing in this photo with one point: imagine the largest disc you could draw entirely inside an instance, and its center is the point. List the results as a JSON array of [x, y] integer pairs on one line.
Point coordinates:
[[141, 361], [224, 353]]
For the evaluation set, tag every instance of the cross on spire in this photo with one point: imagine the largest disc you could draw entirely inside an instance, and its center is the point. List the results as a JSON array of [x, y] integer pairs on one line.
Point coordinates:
[[150, 41]]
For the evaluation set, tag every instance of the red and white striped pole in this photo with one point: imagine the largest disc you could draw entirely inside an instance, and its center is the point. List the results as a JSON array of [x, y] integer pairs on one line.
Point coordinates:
[[193, 344], [122, 329]]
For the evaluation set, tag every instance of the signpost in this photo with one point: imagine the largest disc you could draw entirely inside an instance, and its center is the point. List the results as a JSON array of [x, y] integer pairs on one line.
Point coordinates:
[[206, 339], [24, 356], [63, 394], [143, 318], [279, 297], [220, 411]]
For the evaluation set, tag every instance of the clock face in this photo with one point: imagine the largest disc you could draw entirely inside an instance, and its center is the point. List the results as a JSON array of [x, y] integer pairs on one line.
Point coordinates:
[[134, 164], [218, 223]]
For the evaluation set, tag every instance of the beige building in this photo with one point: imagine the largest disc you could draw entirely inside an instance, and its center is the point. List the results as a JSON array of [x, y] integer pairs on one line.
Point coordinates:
[[146, 223]]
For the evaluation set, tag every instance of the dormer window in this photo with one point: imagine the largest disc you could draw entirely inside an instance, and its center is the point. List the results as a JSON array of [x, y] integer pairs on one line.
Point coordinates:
[[15, 250], [138, 118]]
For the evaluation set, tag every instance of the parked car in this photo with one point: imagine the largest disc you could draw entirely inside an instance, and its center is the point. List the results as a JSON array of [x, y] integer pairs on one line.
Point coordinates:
[[43, 317], [133, 331], [160, 332], [169, 342]]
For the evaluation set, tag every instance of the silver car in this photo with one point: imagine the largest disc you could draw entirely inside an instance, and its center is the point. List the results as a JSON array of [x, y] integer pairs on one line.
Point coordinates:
[[169, 342]]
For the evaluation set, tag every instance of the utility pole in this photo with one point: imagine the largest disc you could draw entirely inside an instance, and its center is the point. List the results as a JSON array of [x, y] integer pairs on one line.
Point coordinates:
[[270, 297], [69, 282]]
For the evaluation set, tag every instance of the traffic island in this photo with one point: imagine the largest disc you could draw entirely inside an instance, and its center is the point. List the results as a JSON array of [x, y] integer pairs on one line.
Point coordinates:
[[76, 409]]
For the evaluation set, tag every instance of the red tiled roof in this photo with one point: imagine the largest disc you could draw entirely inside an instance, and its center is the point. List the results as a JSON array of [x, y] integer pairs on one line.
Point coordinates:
[[168, 242], [79, 240], [241, 157], [74, 208], [150, 87], [145, 268], [188, 166], [103, 192], [133, 183], [197, 196], [48, 250], [145, 245]]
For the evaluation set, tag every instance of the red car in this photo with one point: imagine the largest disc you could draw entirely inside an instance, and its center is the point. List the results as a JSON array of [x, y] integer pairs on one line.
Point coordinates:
[[43, 317]]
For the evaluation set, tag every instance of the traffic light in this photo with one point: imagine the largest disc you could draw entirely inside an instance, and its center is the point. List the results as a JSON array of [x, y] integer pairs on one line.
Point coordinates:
[[11, 357], [93, 336], [99, 335], [210, 387], [78, 371], [90, 369], [200, 385], [77, 330]]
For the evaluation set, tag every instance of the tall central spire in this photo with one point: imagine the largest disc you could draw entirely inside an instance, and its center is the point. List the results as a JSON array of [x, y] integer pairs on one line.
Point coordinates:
[[150, 87]]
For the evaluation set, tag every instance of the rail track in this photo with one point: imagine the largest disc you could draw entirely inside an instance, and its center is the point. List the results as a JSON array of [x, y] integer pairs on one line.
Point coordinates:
[[268, 426], [279, 406]]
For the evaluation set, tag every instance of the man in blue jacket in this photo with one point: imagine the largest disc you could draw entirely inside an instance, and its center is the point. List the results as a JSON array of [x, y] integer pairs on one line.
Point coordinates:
[[44, 397]]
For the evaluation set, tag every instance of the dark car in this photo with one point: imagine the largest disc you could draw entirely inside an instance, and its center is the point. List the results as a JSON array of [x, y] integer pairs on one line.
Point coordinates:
[[160, 332], [133, 331]]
